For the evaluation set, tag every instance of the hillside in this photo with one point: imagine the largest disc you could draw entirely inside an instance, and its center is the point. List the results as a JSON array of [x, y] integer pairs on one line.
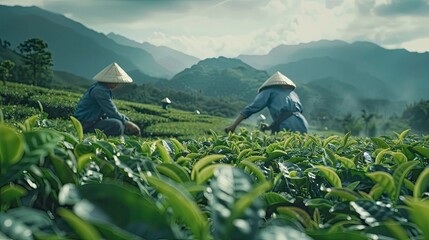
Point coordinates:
[[76, 48], [405, 73], [170, 59], [220, 77], [19, 102]]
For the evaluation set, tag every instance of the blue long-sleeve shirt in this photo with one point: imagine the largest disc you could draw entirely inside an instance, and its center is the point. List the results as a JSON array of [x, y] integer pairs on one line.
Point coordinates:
[[96, 103], [278, 99]]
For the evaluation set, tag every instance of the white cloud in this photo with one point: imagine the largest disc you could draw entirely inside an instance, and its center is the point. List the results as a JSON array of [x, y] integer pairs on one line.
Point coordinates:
[[232, 27]]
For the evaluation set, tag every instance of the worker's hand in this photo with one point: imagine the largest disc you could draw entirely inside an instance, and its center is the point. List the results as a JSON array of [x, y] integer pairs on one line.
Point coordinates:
[[230, 129], [132, 128]]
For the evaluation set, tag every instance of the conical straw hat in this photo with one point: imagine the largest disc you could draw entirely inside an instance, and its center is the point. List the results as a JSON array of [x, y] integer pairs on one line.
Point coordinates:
[[113, 74], [277, 79]]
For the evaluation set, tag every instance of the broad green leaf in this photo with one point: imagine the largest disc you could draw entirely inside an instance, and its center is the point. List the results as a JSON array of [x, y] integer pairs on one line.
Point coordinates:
[[329, 139], [247, 200], [419, 214], [396, 229], [165, 155], [208, 172], [183, 205], [169, 172], [273, 198], [330, 156], [276, 154], [41, 142], [376, 192], [243, 153], [254, 169], [331, 176], [402, 135], [30, 122], [83, 160], [178, 147], [255, 158], [399, 157], [11, 147], [347, 163], [422, 151], [380, 143], [422, 184], [399, 175], [64, 172], [385, 180], [200, 164], [343, 193], [228, 186], [119, 205], [78, 127], [83, 229], [299, 214], [10, 193], [346, 138], [106, 147], [380, 155]]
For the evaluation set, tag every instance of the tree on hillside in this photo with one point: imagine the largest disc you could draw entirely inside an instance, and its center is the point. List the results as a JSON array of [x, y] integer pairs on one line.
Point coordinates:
[[417, 116], [6, 67], [37, 61]]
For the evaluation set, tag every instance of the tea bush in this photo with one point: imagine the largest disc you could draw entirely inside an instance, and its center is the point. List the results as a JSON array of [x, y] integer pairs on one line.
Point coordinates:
[[248, 185]]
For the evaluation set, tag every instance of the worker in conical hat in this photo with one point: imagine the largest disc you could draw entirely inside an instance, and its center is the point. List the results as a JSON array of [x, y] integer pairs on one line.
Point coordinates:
[[96, 109], [278, 95]]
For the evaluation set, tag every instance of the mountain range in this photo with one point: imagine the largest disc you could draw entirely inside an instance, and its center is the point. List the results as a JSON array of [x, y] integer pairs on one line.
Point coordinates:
[[333, 77]]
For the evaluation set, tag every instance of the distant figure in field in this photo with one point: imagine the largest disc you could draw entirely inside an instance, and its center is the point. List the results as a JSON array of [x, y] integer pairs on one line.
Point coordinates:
[[96, 109], [278, 95]]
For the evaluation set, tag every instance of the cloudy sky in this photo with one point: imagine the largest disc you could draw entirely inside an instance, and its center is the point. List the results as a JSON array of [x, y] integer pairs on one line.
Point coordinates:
[[211, 28]]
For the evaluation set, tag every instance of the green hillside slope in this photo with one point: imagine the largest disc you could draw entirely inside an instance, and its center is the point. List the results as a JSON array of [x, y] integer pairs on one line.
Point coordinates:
[[19, 101]]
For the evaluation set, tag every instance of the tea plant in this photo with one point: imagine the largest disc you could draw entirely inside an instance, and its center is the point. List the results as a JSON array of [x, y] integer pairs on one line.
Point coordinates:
[[249, 185]]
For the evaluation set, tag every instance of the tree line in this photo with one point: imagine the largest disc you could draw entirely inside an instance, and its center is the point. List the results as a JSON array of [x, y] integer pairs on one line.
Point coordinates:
[[34, 63]]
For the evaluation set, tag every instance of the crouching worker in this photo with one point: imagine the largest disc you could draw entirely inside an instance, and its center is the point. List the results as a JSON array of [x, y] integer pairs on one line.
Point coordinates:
[[278, 95], [96, 109]]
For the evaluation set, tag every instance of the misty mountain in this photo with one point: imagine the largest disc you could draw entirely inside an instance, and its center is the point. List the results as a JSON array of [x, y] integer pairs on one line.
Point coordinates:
[[311, 69], [406, 73], [173, 60], [75, 48], [221, 77]]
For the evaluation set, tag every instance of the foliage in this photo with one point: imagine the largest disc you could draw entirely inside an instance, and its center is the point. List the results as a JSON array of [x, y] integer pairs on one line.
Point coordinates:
[[20, 101], [6, 68], [418, 116], [248, 185], [38, 60]]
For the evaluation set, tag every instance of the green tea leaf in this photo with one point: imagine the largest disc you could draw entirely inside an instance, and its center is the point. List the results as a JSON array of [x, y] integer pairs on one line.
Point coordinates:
[[11, 147], [165, 155], [200, 164], [254, 169], [347, 163], [78, 127], [208, 172], [343, 193], [83, 229], [10, 193], [385, 180], [399, 175], [380, 143], [331, 176], [422, 151], [183, 206], [422, 184]]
